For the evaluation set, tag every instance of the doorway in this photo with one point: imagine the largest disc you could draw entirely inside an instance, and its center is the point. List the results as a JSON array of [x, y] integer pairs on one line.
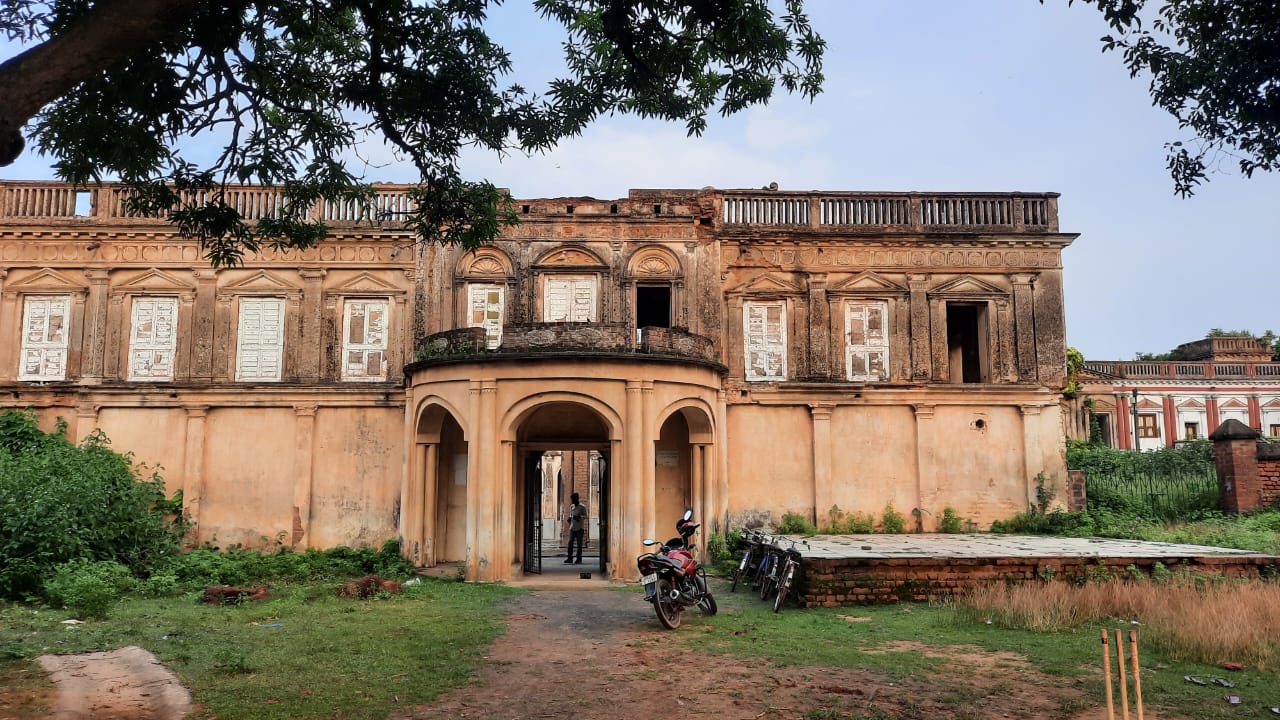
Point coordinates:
[[550, 479]]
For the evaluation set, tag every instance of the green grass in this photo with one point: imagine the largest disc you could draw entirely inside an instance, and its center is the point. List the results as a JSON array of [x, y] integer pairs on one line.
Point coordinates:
[[328, 657], [818, 638]]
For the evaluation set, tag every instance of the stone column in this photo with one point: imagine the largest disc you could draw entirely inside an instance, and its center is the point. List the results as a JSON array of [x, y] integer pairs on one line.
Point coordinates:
[[926, 461], [193, 470], [1123, 420], [697, 492], [86, 420], [1255, 413], [1235, 449], [649, 460], [823, 496], [429, 469], [1024, 325], [485, 451], [474, 451], [1005, 365], [311, 345], [222, 360], [202, 325], [921, 358], [9, 330], [634, 528], [1031, 455], [95, 327], [304, 442], [1170, 421], [1211, 410], [819, 327]]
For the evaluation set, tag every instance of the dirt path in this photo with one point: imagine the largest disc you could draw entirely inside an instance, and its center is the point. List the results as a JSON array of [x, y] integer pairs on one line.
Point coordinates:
[[600, 655]]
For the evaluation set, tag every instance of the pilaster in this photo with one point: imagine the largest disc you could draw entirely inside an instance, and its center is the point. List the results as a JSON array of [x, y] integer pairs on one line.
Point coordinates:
[[304, 451], [823, 494], [921, 358]]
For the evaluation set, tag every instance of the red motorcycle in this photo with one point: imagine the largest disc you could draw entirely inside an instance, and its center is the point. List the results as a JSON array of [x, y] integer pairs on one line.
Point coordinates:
[[673, 580]]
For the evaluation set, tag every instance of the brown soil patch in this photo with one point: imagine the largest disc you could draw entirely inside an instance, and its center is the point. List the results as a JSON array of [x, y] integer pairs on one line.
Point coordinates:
[[127, 683], [597, 655]]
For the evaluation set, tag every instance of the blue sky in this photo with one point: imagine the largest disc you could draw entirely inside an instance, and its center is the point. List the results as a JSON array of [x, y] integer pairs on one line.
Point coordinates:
[[982, 95]]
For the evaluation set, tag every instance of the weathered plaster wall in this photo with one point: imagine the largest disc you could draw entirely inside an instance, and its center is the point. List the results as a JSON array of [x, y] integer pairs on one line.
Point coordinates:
[[355, 491], [155, 436], [770, 463], [245, 501], [873, 459]]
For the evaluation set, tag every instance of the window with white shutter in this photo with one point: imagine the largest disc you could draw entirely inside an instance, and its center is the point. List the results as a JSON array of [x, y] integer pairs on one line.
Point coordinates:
[[569, 298], [153, 339], [866, 340], [764, 331], [44, 338], [260, 339], [484, 309], [364, 340]]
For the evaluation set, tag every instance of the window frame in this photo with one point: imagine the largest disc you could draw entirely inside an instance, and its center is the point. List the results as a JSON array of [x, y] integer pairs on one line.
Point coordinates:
[[1148, 430], [348, 347], [765, 347], [574, 279], [493, 331], [278, 348], [883, 346], [27, 346], [152, 346]]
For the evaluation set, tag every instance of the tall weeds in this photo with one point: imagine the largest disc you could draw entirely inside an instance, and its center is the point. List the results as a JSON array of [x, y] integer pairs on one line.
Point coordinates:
[[1186, 618]]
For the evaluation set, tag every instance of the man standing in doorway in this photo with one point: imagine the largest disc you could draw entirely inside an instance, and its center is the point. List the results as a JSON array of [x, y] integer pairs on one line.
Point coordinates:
[[577, 528]]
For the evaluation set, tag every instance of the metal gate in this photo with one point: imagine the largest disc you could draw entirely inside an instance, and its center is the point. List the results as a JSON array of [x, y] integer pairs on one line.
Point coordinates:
[[533, 513]]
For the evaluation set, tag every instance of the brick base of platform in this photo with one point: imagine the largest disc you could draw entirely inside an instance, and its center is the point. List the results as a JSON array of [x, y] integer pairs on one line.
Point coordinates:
[[869, 581]]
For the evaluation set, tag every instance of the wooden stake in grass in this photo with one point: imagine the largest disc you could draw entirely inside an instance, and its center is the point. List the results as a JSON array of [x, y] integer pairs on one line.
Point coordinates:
[[1124, 686], [1106, 672], [1137, 676]]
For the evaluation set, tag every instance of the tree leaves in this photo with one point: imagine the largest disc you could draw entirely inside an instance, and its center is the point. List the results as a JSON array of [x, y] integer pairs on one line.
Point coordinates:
[[280, 92]]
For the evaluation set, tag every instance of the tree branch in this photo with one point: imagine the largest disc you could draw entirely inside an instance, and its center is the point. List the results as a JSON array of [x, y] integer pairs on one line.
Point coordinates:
[[108, 33]]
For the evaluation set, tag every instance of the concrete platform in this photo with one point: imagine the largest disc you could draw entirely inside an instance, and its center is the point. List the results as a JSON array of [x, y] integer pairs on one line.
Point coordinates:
[[864, 569]]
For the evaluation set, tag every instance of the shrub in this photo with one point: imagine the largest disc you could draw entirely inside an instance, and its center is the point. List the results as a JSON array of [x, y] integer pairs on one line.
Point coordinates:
[[892, 521], [841, 523], [796, 524], [61, 502], [952, 523], [88, 588]]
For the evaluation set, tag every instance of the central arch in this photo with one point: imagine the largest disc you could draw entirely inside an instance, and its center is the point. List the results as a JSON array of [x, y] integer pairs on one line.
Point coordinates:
[[562, 447]]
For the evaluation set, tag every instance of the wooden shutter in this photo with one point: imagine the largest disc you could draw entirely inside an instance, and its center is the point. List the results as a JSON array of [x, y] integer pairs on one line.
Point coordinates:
[[569, 299], [44, 338], [154, 338], [765, 340], [866, 340], [485, 309], [260, 339], [364, 340]]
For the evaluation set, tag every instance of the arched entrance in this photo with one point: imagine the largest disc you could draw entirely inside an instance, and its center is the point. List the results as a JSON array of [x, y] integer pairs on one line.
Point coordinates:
[[562, 448], [435, 500], [684, 470]]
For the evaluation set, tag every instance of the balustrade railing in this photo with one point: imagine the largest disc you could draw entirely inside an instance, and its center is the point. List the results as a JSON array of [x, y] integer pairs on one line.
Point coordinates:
[[918, 212], [1183, 370]]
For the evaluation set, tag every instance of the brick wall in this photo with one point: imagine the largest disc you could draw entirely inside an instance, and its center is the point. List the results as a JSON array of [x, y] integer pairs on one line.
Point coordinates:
[[872, 581], [1248, 470]]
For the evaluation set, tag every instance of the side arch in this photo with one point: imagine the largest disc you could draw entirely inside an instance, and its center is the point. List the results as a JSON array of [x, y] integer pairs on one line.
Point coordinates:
[[431, 413], [697, 413]]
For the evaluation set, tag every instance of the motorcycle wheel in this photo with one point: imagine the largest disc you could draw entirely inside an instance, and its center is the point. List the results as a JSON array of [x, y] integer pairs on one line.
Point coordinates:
[[707, 604], [667, 610], [783, 590]]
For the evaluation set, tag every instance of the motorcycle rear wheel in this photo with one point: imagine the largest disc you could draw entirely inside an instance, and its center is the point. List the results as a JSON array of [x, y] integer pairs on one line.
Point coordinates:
[[708, 604], [668, 611]]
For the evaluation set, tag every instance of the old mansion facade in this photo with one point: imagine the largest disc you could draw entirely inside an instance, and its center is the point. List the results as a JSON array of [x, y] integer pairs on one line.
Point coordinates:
[[747, 353]]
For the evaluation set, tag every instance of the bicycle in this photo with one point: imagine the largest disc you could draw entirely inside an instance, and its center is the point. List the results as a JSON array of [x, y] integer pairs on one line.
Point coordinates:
[[747, 565], [790, 566]]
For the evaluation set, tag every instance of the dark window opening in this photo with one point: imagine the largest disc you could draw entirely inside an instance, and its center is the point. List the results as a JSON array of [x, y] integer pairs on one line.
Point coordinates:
[[653, 306], [568, 209], [657, 209], [1104, 427], [613, 208], [524, 209], [967, 342]]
